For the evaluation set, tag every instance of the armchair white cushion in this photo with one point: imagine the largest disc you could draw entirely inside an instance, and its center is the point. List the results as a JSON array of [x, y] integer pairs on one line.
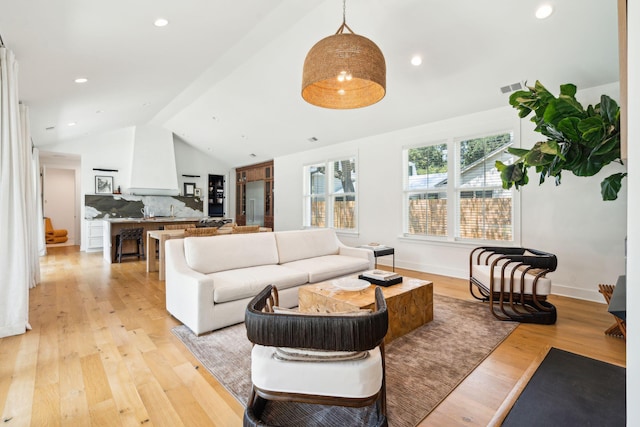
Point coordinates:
[[359, 378]]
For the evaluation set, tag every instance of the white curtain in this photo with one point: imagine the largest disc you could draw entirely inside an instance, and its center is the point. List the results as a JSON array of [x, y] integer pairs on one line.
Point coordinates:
[[19, 265]]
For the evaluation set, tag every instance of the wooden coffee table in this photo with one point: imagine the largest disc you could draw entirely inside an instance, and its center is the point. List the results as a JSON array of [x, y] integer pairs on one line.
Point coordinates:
[[409, 304]]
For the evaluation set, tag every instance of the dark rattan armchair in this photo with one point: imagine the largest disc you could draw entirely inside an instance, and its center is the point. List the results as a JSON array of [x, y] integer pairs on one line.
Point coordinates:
[[350, 372], [497, 275]]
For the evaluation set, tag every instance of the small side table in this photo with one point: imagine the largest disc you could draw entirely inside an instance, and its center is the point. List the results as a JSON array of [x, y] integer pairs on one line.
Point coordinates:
[[381, 251]]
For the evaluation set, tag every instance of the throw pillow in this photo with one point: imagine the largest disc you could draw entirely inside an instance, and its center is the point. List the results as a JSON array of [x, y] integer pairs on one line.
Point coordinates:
[[310, 355], [281, 310]]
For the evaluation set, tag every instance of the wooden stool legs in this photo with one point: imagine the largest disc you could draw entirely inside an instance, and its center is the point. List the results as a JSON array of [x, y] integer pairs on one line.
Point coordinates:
[[618, 329]]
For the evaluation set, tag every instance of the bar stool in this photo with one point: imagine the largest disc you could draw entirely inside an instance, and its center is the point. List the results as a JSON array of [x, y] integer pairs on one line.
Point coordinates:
[[129, 234]]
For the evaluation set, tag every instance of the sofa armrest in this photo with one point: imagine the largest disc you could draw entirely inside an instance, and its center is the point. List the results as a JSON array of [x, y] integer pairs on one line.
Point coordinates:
[[358, 253], [189, 294]]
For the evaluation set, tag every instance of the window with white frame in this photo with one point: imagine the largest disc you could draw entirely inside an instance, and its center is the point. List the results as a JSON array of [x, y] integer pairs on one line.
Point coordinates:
[[453, 190], [330, 194]]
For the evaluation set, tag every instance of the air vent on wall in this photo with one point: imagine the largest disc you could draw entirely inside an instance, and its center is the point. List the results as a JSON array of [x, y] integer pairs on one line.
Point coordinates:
[[512, 87]]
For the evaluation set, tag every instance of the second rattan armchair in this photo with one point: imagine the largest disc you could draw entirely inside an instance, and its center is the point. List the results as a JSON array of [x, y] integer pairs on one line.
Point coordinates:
[[514, 282]]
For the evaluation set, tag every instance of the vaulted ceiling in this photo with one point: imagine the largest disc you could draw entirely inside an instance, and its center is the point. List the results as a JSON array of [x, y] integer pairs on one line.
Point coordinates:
[[225, 76]]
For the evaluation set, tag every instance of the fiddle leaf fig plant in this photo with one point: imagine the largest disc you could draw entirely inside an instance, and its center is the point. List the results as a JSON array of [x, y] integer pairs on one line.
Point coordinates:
[[579, 140]]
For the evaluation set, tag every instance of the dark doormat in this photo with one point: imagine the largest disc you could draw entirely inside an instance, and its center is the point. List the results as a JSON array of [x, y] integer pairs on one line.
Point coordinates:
[[571, 390]]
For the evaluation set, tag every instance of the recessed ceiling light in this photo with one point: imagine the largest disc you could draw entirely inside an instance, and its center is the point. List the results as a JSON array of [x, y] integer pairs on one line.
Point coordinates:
[[81, 80], [416, 60], [544, 11], [160, 22], [252, 155], [71, 124]]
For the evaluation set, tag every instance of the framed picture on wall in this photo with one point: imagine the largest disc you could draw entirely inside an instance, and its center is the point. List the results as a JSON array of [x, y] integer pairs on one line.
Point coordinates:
[[189, 188], [197, 192], [104, 184]]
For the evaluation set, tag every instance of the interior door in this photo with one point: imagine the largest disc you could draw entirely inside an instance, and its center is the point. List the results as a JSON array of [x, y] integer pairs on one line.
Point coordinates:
[[59, 191], [255, 202]]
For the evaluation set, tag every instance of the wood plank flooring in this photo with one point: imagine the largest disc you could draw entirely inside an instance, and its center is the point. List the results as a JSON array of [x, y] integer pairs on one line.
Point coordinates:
[[101, 353]]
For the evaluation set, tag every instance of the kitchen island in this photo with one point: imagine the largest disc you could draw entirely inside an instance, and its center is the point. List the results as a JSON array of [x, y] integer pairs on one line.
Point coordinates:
[[112, 226]]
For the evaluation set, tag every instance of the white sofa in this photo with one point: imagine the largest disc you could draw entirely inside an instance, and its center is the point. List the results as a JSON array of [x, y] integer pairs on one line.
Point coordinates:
[[210, 280]]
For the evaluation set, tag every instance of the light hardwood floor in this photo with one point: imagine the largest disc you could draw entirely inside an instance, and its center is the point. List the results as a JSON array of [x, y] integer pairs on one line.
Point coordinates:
[[101, 353]]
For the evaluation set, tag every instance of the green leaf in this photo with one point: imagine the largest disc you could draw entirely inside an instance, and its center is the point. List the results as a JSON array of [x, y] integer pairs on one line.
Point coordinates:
[[609, 109], [515, 173], [568, 90], [536, 157], [611, 185], [606, 146], [550, 147], [569, 128], [520, 152], [542, 93], [563, 107], [573, 154], [592, 129], [588, 168]]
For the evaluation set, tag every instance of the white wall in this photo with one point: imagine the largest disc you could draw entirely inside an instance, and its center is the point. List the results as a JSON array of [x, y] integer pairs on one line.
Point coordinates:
[[193, 162], [571, 221]]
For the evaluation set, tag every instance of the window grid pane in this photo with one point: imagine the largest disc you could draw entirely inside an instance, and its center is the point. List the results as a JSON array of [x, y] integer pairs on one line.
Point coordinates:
[[486, 215], [344, 212], [318, 212], [316, 179], [344, 176], [428, 214], [485, 209], [330, 194]]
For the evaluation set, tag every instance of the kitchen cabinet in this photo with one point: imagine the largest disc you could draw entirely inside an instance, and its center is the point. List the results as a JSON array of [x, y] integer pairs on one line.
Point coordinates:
[[94, 235], [215, 195]]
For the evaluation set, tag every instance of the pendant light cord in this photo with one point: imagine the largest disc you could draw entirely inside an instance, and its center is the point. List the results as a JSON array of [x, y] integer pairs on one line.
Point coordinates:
[[344, 12], [344, 19]]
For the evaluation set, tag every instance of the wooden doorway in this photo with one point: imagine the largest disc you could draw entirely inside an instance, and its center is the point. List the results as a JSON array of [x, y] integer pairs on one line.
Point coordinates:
[[258, 174]]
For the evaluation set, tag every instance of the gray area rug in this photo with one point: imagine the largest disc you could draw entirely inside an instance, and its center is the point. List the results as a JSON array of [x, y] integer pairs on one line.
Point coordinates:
[[422, 367]]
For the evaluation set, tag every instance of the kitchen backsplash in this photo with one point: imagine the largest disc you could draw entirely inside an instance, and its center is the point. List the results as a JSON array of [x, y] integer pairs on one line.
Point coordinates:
[[128, 206]]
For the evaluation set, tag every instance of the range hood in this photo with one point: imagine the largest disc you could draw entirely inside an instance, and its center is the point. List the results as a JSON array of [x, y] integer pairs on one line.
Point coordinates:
[[153, 163]]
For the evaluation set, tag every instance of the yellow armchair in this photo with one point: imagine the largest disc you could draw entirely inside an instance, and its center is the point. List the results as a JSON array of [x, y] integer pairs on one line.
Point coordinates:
[[54, 236]]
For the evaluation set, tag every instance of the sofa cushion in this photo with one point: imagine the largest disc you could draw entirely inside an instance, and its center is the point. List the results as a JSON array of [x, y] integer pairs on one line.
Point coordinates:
[[231, 285], [218, 253], [303, 244], [329, 266]]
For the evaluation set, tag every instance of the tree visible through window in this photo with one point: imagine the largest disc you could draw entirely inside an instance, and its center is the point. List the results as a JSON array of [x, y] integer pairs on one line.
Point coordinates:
[[463, 172], [330, 198]]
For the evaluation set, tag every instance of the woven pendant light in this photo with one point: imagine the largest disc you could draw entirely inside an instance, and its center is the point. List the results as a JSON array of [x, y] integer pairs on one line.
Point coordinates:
[[344, 71]]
